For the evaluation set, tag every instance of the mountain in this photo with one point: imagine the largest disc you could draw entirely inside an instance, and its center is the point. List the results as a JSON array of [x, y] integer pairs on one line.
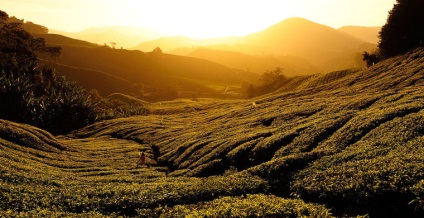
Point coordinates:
[[325, 47], [125, 37], [366, 34], [292, 66], [170, 44], [317, 43], [344, 144], [166, 43]]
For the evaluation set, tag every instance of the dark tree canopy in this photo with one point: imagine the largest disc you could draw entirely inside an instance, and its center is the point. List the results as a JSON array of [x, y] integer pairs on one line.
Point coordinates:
[[19, 50], [403, 30]]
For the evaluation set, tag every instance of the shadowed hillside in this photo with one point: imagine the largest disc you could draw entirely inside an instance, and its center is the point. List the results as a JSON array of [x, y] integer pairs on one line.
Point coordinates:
[[59, 40], [349, 142], [126, 37], [118, 70]]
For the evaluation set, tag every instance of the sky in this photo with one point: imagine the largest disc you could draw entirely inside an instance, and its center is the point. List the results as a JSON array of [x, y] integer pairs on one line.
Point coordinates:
[[196, 18]]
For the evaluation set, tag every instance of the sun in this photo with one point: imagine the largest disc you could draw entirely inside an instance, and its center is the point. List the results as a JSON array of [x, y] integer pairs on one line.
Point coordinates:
[[203, 19]]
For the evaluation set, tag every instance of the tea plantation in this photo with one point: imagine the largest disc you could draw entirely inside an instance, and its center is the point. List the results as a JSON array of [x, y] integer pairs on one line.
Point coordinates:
[[347, 143]]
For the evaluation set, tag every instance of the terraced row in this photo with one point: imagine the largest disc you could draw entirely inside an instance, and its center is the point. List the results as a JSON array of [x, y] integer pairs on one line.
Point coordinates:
[[298, 137]]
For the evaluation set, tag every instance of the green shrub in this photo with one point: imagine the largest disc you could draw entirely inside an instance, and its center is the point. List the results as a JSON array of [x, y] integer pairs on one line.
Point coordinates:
[[45, 100], [257, 205]]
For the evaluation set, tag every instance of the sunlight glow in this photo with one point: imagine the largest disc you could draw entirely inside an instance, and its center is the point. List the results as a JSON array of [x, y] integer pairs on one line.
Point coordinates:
[[197, 19]]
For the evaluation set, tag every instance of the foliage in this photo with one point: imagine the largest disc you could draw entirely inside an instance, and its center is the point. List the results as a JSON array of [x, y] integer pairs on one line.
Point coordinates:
[[246, 206], [402, 31], [33, 93], [97, 176], [268, 82], [19, 50], [371, 58], [45, 100], [29, 26], [118, 106]]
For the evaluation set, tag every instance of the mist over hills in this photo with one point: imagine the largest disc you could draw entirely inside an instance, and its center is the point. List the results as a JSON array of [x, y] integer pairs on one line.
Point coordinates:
[[322, 48], [325, 47], [298, 46], [125, 37], [172, 43], [366, 34], [292, 65], [149, 69]]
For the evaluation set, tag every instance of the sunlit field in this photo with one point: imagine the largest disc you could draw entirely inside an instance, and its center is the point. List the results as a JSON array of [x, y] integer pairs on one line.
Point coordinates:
[[347, 142]]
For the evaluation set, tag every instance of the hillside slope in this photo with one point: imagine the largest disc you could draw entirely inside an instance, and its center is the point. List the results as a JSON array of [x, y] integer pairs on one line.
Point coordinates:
[[350, 141], [326, 48], [292, 66], [154, 70], [59, 40]]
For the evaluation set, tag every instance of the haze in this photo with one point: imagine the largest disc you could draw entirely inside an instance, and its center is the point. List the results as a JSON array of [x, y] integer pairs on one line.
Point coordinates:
[[196, 19]]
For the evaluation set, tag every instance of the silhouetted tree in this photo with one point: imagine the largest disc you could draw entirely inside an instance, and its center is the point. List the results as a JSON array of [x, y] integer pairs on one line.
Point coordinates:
[[29, 26], [268, 82], [157, 50], [31, 92], [113, 45], [19, 50], [403, 30], [248, 89], [371, 58], [35, 28], [3, 17], [271, 80]]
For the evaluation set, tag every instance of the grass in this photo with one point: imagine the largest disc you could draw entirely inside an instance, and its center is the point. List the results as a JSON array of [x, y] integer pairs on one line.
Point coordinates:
[[348, 143]]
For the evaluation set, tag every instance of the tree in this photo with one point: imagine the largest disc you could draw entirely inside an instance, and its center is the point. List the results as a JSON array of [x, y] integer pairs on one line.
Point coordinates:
[[271, 80], [19, 50], [35, 28], [403, 30], [3, 17], [33, 93], [113, 45], [248, 89], [371, 58], [157, 50]]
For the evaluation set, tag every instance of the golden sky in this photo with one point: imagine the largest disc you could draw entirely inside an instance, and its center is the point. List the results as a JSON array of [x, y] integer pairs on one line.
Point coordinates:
[[196, 18]]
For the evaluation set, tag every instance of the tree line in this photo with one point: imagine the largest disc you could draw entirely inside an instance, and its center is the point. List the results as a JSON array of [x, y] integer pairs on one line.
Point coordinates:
[[402, 32]]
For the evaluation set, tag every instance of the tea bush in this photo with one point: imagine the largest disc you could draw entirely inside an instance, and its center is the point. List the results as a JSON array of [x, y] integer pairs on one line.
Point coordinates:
[[257, 205]]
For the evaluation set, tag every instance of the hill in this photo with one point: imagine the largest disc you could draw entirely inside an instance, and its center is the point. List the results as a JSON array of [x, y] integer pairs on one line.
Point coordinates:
[[348, 142], [59, 40], [293, 66], [326, 48], [125, 37], [98, 68], [170, 44], [317, 43], [366, 34]]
